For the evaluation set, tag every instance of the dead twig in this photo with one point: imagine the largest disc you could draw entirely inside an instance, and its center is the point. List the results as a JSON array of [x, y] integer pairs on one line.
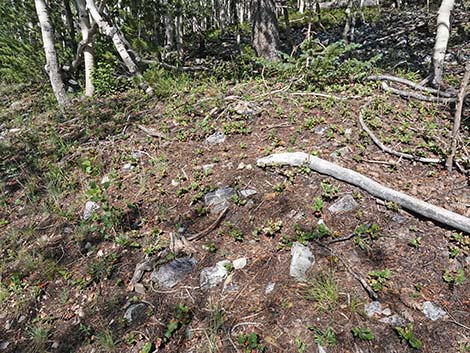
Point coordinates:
[[411, 84], [389, 150], [422, 97], [202, 233], [458, 117]]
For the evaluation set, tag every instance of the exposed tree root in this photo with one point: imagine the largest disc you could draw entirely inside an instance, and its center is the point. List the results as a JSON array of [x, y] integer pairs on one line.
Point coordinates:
[[410, 203], [202, 233], [389, 150]]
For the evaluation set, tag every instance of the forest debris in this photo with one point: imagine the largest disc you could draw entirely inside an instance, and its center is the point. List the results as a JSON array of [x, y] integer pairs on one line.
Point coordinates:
[[413, 204]]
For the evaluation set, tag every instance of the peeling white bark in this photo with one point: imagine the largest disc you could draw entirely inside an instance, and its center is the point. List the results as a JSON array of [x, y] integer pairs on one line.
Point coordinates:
[[52, 66], [88, 57], [442, 37], [413, 204]]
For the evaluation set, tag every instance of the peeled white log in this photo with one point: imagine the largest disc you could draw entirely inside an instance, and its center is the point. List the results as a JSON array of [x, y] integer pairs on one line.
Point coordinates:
[[410, 203]]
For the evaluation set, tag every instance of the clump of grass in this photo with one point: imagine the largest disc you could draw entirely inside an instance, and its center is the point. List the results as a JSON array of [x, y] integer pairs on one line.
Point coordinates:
[[323, 290]]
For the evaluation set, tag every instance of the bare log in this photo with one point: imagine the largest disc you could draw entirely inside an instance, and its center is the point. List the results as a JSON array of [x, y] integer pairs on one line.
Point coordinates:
[[374, 188], [458, 116]]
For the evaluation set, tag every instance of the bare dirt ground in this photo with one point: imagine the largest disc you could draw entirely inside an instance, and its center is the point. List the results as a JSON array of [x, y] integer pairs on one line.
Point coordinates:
[[148, 165]]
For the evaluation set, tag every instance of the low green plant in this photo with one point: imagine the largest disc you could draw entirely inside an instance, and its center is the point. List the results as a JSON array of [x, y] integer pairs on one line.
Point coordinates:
[[329, 191], [104, 79], [407, 335], [362, 333], [183, 317], [300, 345], [250, 343], [106, 340], [378, 278], [326, 337], [454, 277], [317, 206], [324, 291], [39, 337]]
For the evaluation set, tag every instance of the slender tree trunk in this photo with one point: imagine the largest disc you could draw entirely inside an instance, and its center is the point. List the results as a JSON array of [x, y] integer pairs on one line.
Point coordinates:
[[285, 12], [440, 46], [70, 24], [169, 26], [88, 57], [52, 66], [265, 29], [113, 33]]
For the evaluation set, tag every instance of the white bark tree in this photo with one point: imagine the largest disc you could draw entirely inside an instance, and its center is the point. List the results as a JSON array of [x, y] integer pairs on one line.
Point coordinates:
[[52, 66], [265, 29], [88, 57], [440, 46]]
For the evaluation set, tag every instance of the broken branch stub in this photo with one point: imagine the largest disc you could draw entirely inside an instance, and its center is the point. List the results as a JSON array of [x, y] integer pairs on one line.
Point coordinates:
[[410, 203]]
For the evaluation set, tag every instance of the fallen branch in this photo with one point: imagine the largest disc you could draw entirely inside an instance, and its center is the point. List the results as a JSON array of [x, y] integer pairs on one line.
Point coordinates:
[[410, 203], [411, 84], [407, 94], [389, 150], [458, 116], [202, 233]]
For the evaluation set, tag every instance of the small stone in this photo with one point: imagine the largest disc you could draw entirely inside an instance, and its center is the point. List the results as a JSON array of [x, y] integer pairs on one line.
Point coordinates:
[[216, 137], [302, 259], [90, 209], [127, 167], [105, 179], [393, 320], [320, 129], [15, 105], [387, 312], [238, 264], [241, 166], [21, 319], [218, 200], [8, 325], [4, 345], [139, 288], [55, 345], [373, 308], [248, 167], [344, 204], [137, 155], [339, 152], [245, 108], [321, 349], [248, 192], [212, 276], [433, 311], [348, 132], [174, 182], [168, 275], [269, 287], [207, 168], [14, 130], [135, 312]]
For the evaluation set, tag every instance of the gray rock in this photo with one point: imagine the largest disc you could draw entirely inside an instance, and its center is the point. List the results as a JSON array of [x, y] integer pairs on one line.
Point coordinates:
[[168, 275], [320, 129], [302, 259], [344, 204], [212, 276], [339, 152], [4, 345], [207, 168], [248, 192], [321, 349], [127, 167], [218, 200], [269, 287], [373, 308], [246, 108], [90, 208], [393, 320], [216, 137], [240, 263], [433, 311], [15, 105], [135, 312], [387, 312]]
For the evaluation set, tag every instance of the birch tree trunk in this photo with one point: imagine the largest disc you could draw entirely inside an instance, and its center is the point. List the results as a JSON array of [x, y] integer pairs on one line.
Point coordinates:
[[52, 66], [88, 58], [113, 33], [265, 29], [440, 46]]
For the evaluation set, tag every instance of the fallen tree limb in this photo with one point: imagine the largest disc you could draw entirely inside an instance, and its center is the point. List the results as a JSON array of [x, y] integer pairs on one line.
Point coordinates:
[[407, 94], [411, 84], [458, 116], [389, 150], [202, 233], [410, 203]]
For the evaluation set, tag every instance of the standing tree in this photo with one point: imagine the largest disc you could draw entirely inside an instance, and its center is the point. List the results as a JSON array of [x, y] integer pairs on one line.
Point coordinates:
[[265, 29], [88, 58], [52, 66], [440, 46]]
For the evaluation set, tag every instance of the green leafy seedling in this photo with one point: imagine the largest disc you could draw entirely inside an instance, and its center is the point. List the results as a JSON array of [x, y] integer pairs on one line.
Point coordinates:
[[362, 333], [407, 335]]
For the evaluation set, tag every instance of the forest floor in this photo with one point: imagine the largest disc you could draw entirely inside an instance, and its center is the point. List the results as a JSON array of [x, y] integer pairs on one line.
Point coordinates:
[[141, 167]]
